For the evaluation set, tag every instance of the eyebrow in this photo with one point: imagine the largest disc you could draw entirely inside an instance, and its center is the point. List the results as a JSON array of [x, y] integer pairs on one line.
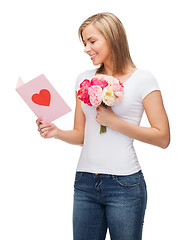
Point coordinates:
[[88, 39]]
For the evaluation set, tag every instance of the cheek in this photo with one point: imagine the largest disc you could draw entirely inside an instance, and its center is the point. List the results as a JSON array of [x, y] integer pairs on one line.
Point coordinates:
[[101, 48], [105, 52], [105, 49]]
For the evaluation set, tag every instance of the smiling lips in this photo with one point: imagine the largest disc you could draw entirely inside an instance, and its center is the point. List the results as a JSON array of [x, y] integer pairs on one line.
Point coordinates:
[[93, 56]]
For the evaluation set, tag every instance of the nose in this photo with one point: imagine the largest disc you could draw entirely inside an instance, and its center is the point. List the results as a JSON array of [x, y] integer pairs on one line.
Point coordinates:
[[87, 48]]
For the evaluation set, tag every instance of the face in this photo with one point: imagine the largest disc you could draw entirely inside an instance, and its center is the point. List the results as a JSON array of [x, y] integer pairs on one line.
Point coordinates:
[[95, 45]]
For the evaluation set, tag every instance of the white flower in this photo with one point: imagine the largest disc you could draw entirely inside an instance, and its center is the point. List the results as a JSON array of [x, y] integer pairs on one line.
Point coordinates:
[[109, 97]]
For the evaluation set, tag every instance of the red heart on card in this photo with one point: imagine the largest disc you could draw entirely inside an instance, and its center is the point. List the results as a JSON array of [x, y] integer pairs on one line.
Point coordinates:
[[43, 98]]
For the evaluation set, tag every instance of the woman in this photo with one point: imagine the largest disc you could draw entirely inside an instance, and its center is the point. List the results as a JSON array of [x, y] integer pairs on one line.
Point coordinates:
[[110, 190]]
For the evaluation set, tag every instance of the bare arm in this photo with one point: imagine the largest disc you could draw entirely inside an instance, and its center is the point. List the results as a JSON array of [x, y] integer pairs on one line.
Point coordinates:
[[159, 132], [75, 136]]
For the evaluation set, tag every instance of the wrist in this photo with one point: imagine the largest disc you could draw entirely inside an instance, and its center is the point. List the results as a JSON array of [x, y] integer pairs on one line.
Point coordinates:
[[114, 122], [57, 133]]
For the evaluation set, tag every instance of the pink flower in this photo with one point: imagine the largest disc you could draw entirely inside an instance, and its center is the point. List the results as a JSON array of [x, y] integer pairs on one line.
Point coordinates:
[[102, 89], [100, 82], [118, 92], [83, 92], [95, 93], [85, 84]]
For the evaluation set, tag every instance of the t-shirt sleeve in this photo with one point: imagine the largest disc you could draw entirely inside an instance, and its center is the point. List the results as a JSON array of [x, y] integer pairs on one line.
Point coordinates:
[[88, 74], [148, 85], [79, 79]]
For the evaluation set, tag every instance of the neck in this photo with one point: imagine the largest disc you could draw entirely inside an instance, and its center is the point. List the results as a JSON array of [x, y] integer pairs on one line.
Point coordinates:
[[108, 70]]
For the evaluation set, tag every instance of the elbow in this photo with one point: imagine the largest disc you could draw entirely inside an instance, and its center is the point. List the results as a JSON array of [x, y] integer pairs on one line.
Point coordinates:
[[165, 145], [165, 142]]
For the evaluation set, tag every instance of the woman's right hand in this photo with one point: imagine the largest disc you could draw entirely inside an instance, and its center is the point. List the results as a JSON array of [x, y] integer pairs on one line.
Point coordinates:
[[75, 136], [47, 130]]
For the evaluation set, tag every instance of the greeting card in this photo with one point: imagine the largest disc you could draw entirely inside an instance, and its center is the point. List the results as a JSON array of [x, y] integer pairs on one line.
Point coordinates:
[[42, 98]]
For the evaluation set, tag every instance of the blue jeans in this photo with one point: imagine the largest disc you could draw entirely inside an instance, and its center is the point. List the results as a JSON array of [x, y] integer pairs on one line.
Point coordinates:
[[108, 201]]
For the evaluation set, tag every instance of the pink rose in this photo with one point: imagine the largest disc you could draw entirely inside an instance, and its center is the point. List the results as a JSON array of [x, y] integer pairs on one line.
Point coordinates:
[[95, 93], [83, 92]]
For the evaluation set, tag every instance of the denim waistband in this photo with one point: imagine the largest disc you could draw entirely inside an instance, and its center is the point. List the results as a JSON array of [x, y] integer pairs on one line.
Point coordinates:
[[108, 175]]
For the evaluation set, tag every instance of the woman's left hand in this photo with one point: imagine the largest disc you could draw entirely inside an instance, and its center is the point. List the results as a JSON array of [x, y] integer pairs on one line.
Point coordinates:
[[105, 116]]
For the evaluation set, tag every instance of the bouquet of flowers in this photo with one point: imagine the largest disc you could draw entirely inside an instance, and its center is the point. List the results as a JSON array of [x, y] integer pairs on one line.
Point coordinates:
[[101, 89]]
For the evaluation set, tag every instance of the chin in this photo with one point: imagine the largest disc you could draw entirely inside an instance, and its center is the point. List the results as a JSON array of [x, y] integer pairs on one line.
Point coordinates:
[[96, 63]]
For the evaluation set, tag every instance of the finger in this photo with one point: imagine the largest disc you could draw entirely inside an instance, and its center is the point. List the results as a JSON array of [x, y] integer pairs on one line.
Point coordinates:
[[41, 129], [45, 129], [44, 125], [44, 133], [38, 121], [98, 108]]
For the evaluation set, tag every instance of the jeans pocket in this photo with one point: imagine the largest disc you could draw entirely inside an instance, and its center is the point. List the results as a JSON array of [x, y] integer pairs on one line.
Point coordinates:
[[129, 181], [78, 176]]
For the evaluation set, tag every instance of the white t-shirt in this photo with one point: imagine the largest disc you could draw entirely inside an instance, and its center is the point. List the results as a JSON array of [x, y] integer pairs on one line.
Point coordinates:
[[113, 152]]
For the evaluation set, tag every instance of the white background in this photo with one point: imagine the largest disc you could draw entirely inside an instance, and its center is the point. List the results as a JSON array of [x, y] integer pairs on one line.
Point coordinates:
[[37, 175]]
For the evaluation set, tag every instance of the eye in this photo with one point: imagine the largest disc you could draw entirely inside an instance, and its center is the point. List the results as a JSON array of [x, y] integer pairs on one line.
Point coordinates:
[[93, 41]]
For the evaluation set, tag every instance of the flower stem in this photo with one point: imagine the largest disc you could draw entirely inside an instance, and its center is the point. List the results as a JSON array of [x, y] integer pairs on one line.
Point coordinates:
[[104, 105], [102, 129]]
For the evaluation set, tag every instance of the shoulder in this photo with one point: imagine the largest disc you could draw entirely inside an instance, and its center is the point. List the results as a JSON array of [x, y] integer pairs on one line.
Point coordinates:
[[147, 83], [87, 74], [145, 77], [145, 74]]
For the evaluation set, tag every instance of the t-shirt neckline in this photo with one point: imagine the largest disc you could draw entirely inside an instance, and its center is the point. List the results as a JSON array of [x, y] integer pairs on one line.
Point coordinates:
[[136, 70], [132, 75]]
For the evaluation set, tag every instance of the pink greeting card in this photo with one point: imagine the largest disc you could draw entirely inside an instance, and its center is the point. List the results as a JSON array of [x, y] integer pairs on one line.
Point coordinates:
[[42, 98]]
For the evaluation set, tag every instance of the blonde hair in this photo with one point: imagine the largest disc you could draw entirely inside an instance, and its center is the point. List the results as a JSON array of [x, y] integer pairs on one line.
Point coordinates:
[[113, 31]]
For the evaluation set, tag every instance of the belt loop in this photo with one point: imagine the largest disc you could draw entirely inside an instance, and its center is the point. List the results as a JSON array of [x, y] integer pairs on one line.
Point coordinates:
[[113, 177], [140, 174]]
